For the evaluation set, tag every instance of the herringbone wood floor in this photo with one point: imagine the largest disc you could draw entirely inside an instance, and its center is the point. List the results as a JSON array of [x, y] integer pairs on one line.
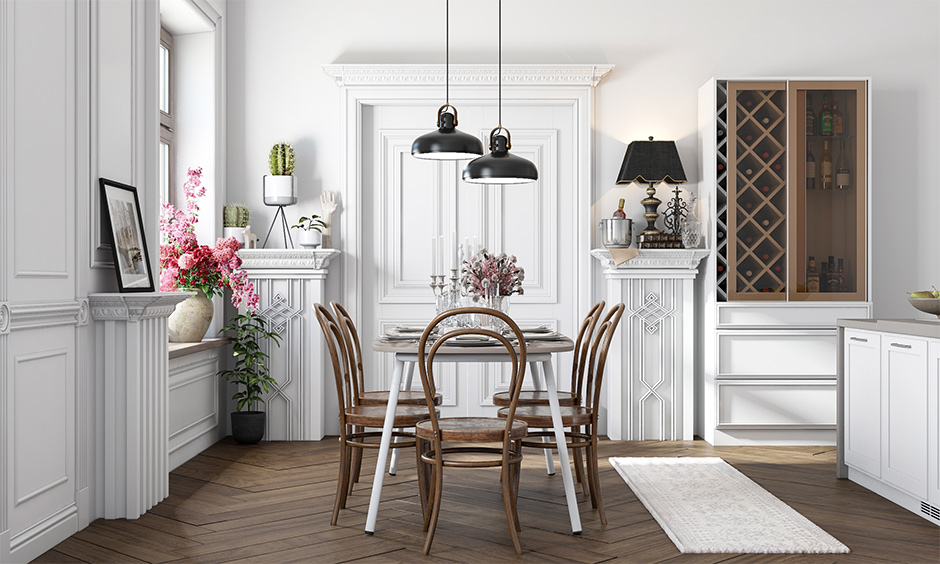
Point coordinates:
[[272, 503]]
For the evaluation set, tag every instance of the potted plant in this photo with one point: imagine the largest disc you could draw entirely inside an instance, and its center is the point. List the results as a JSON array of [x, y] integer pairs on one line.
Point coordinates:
[[235, 219], [251, 372], [279, 186], [311, 234]]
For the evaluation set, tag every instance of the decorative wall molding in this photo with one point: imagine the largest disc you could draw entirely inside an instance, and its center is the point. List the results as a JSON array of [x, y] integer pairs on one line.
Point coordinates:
[[654, 258], [421, 75], [40, 315], [316, 259], [4, 318], [135, 306]]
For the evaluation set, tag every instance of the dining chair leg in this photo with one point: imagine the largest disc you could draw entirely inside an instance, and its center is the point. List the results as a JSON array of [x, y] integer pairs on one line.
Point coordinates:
[[579, 471], [347, 481], [516, 472], [341, 486], [422, 478], [506, 480], [599, 503], [436, 506], [356, 463]]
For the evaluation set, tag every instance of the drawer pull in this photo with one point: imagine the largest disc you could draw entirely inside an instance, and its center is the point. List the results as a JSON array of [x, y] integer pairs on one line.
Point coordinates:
[[900, 345], [859, 339]]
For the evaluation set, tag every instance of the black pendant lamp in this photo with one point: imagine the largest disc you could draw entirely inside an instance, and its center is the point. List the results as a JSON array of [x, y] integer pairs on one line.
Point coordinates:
[[447, 143], [500, 167]]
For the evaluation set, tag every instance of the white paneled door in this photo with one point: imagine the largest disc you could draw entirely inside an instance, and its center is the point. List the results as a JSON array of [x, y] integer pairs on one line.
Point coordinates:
[[407, 201]]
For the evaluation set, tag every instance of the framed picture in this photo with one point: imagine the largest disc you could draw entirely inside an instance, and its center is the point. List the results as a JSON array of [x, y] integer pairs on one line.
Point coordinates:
[[128, 243]]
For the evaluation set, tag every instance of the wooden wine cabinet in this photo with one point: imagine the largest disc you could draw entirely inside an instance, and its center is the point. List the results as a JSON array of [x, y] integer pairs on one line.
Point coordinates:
[[768, 343]]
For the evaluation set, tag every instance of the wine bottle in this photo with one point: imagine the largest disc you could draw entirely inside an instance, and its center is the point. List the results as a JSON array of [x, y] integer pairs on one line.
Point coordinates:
[[825, 117], [810, 168], [836, 116], [812, 276], [832, 280], [810, 116], [824, 277], [825, 167], [619, 214], [843, 282], [843, 175]]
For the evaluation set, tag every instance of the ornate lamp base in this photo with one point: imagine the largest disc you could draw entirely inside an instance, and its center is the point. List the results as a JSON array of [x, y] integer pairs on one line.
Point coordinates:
[[651, 204]]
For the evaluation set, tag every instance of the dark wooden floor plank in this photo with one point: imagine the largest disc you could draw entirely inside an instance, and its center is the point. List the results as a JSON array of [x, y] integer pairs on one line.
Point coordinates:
[[272, 503]]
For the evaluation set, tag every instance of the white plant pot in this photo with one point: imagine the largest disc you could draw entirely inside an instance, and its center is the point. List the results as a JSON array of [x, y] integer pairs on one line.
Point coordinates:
[[280, 190], [237, 232], [309, 239]]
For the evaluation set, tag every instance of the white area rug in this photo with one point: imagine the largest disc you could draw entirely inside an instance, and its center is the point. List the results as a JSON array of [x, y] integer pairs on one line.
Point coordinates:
[[705, 505]]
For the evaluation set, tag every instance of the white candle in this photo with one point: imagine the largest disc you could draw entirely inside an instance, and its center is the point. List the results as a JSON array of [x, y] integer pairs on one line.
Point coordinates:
[[475, 249], [440, 255], [453, 240], [433, 255]]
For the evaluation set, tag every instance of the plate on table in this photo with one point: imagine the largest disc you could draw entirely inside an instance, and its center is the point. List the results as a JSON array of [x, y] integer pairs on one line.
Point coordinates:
[[550, 336], [535, 329], [472, 341], [410, 329]]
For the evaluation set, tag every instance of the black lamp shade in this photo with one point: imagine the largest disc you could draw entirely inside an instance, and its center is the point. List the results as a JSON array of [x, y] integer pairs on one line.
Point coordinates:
[[500, 166], [651, 162], [446, 143]]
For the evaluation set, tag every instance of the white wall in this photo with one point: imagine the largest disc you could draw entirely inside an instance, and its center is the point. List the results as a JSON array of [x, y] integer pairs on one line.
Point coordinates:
[[663, 51]]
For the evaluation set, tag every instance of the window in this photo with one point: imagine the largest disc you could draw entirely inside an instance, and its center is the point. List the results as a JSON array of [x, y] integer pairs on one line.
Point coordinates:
[[166, 115]]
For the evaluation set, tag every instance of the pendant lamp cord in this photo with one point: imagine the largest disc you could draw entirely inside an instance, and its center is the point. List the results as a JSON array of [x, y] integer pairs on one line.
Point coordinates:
[[447, 52], [500, 63]]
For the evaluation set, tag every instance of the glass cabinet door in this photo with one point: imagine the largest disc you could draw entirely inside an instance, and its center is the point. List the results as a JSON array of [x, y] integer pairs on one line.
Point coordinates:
[[757, 190], [827, 207]]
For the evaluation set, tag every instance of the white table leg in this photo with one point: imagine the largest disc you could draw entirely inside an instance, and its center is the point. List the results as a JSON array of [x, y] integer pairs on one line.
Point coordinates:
[[409, 373], [537, 380], [562, 449], [379, 478]]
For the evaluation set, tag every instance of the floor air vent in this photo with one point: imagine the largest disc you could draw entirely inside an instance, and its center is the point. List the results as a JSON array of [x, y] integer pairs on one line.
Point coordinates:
[[930, 510]]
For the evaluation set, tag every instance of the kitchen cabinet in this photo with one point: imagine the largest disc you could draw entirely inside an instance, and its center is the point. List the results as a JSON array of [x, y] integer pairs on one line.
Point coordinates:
[[889, 417]]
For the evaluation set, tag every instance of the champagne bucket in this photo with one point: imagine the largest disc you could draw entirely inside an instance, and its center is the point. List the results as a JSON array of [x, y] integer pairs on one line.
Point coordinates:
[[616, 232]]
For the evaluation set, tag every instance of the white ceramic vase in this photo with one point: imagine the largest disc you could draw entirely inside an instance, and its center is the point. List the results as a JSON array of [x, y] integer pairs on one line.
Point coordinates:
[[237, 232], [280, 190], [309, 239], [191, 319]]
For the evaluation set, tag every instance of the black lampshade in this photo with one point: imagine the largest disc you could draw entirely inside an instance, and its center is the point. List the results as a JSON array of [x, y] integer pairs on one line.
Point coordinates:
[[651, 162], [446, 143], [500, 166]]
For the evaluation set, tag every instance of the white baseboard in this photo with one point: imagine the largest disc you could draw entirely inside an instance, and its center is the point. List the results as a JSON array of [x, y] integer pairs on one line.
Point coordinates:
[[891, 493], [43, 536]]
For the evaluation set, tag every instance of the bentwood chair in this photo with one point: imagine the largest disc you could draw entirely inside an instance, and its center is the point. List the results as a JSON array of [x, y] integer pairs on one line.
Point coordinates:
[[540, 397], [371, 398], [354, 417], [578, 416], [464, 435]]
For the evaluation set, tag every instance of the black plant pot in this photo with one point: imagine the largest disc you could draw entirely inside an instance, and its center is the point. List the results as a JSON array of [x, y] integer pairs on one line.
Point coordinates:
[[247, 426]]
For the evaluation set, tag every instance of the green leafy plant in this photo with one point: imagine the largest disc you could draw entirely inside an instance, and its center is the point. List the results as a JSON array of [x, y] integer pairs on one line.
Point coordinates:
[[235, 215], [312, 223], [251, 370], [281, 159]]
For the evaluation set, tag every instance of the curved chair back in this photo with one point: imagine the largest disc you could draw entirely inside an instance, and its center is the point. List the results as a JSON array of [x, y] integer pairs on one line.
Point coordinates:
[[426, 359], [599, 348], [582, 345], [338, 355], [353, 350]]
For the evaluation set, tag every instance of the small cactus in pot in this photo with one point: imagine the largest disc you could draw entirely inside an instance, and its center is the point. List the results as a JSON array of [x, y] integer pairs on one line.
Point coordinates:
[[235, 215], [281, 159]]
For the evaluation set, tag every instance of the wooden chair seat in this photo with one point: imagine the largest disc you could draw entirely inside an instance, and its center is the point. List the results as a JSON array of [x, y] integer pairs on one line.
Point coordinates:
[[533, 397], [374, 416], [473, 429], [380, 397], [541, 415]]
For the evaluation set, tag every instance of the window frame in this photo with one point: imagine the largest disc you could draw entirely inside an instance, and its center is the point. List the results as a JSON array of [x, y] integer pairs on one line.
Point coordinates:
[[167, 120]]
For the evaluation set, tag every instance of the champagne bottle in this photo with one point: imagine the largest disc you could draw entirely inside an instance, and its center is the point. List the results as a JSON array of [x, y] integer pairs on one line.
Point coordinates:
[[836, 116], [843, 282], [832, 281], [825, 117], [825, 167], [619, 214], [812, 276], [810, 116], [843, 175], [810, 169]]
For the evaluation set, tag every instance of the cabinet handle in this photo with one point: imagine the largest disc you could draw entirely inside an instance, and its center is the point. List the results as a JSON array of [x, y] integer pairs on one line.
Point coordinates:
[[859, 339], [900, 345]]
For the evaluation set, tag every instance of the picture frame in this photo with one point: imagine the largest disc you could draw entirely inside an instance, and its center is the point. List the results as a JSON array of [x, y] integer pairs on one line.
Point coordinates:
[[121, 208]]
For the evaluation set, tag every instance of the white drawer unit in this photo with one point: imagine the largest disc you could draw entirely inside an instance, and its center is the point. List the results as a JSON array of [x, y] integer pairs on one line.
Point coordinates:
[[806, 404], [777, 353], [890, 426]]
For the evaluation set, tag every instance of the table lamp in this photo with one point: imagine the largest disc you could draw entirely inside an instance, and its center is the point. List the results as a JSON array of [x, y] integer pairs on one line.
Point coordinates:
[[651, 162]]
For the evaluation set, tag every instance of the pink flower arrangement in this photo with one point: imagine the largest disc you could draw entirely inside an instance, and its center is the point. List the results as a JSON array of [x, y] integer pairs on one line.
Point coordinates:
[[499, 269], [187, 265]]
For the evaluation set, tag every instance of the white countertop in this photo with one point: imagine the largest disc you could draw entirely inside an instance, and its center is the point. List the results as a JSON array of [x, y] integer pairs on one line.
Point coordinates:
[[913, 327]]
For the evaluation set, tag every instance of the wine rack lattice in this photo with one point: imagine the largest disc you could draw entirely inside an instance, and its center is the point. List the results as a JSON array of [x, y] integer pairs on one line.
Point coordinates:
[[758, 197], [721, 201]]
